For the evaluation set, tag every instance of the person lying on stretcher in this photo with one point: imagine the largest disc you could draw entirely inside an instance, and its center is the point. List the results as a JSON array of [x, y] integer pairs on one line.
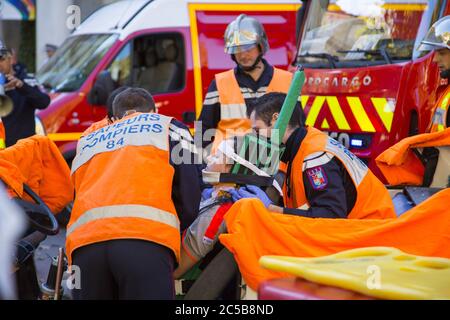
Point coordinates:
[[200, 238]]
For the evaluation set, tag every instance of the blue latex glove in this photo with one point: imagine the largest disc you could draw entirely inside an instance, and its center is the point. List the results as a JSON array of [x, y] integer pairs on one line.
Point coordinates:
[[234, 195], [250, 191], [206, 193]]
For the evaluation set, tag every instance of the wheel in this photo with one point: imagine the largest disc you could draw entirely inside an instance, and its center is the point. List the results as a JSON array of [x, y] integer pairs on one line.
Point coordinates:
[[39, 215], [214, 278]]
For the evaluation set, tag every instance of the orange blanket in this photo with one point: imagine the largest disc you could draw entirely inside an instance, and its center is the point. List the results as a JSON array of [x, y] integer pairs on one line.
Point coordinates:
[[400, 165], [255, 232], [37, 162]]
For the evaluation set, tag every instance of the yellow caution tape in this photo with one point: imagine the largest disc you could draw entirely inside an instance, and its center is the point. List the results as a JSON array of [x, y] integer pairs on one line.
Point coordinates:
[[67, 136]]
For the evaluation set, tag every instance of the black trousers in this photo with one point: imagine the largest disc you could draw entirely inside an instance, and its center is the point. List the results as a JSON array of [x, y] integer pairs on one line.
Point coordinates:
[[124, 269]]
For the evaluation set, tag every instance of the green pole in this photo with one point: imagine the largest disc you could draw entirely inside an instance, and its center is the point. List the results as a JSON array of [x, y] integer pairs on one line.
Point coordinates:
[[288, 105]]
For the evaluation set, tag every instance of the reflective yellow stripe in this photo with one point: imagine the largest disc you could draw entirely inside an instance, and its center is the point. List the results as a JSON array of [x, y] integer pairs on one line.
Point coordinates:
[[385, 111], [391, 6], [337, 113], [304, 101], [68, 136], [2, 144], [325, 124], [360, 114], [444, 104], [196, 60], [125, 211], [314, 111]]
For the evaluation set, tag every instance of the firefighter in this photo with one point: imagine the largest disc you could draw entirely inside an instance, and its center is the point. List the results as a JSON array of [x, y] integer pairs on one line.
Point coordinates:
[[26, 97], [323, 179], [133, 198], [438, 39], [225, 104]]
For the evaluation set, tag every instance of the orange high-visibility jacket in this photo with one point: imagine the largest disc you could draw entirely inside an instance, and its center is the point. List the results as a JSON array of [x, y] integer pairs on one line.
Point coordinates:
[[123, 184], [37, 162], [372, 199], [2, 136], [233, 111], [95, 126], [400, 165], [254, 232], [438, 121]]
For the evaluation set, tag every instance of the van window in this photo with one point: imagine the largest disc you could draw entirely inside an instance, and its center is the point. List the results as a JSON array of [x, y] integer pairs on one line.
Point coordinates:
[[74, 61], [159, 63], [120, 68]]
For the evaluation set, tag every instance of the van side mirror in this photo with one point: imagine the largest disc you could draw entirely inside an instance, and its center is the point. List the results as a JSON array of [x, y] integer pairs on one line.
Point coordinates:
[[102, 88]]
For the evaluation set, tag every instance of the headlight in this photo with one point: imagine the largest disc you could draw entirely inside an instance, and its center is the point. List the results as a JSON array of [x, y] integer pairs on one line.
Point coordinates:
[[40, 129], [360, 141]]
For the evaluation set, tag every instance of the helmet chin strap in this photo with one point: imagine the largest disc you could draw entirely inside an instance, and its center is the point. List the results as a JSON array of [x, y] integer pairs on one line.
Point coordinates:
[[252, 67], [445, 74]]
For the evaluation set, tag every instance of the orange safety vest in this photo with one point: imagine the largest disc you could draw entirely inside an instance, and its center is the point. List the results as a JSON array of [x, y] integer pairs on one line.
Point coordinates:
[[372, 199], [438, 121], [400, 165], [123, 184], [254, 232], [95, 126], [233, 111], [2, 136]]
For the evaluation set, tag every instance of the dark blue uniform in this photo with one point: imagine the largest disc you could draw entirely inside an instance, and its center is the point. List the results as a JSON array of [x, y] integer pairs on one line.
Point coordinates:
[[187, 179], [20, 123], [329, 188]]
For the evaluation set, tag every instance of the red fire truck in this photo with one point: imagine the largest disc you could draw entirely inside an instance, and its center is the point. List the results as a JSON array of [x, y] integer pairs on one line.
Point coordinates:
[[367, 84], [173, 48]]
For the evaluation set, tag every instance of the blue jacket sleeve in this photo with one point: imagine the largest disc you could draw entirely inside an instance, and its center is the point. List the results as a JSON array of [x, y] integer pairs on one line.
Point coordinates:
[[187, 182], [34, 96]]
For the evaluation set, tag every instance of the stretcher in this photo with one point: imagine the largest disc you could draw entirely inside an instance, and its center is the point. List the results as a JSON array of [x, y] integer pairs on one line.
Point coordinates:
[[380, 272]]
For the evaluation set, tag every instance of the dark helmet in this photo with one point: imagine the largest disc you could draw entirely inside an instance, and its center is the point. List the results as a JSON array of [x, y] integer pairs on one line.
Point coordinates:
[[438, 37], [243, 33]]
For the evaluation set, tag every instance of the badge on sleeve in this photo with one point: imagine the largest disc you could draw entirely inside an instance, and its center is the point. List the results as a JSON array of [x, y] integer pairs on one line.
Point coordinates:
[[317, 178]]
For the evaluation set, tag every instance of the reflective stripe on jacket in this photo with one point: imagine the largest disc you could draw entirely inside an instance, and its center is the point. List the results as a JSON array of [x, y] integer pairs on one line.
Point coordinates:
[[438, 121], [123, 183], [233, 111], [372, 200], [2, 136]]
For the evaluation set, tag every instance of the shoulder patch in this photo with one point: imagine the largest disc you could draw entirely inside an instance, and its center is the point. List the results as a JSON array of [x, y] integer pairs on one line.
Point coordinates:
[[317, 178]]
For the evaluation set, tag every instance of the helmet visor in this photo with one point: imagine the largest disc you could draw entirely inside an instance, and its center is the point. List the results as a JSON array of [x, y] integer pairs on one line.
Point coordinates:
[[429, 46], [240, 48]]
